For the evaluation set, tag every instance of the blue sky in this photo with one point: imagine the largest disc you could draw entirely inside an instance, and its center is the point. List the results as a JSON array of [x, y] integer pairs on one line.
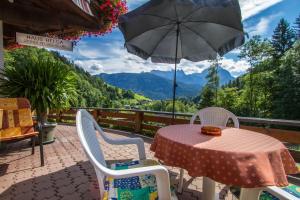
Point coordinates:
[[107, 54]]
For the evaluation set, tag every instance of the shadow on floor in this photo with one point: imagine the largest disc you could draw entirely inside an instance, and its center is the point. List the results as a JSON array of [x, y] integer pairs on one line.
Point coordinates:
[[71, 183], [75, 182]]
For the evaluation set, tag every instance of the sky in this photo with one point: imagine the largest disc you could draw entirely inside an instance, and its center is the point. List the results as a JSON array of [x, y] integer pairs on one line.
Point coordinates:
[[106, 54]]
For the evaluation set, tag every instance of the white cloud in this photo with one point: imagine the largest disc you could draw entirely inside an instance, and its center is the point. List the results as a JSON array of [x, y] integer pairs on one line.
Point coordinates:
[[250, 8], [236, 51], [262, 26], [236, 68], [118, 60], [91, 66], [112, 57], [98, 56]]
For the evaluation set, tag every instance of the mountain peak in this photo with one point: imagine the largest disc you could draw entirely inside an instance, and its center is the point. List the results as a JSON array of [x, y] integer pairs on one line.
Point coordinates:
[[158, 84]]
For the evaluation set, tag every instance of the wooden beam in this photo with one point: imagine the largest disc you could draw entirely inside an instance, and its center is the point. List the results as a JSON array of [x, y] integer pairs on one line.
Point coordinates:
[[40, 20], [150, 127], [282, 135], [128, 116], [138, 121], [117, 122], [141, 121], [54, 16]]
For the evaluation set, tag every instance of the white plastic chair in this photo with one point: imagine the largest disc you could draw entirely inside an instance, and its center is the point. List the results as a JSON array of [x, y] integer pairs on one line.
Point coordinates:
[[211, 116], [215, 116], [86, 128]]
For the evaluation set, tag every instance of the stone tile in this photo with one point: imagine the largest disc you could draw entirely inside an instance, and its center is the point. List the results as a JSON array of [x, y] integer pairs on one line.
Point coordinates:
[[67, 174]]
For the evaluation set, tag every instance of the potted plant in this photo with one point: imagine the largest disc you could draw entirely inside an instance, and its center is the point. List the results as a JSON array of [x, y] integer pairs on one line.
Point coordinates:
[[47, 82]]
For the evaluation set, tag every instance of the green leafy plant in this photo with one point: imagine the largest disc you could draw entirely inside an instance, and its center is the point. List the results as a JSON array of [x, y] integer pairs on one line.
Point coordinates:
[[47, 83]]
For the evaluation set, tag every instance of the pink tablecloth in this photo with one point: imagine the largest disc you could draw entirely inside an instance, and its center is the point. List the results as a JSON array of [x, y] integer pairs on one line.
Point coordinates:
[[238, 157]]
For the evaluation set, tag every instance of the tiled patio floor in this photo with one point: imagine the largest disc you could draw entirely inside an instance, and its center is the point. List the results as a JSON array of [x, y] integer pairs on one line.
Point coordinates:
[[67, 174]]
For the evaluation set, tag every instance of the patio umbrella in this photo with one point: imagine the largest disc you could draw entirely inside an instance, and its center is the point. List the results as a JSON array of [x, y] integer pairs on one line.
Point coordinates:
[[170, 30], [55, 17]]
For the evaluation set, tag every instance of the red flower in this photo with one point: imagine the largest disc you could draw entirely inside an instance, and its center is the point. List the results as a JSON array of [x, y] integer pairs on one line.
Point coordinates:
[[109, 12]]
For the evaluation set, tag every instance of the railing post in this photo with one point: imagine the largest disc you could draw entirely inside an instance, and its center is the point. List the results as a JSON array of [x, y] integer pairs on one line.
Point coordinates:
[[95, 114], [139, 115], [100, 115], [59, 116]]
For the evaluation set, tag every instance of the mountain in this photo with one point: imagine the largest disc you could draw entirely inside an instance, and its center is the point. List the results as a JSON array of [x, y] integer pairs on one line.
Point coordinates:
[[149, 85], [158, 84], [90, 91], [197, 79]]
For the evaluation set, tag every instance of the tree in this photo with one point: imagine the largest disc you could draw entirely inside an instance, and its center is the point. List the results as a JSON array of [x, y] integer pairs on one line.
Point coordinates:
[[286, 97], [47, 83], [213, 78], [283, 38], [228, 98], [209, 94], [297, 27], [128, 94], [255, 51], [206, 97]]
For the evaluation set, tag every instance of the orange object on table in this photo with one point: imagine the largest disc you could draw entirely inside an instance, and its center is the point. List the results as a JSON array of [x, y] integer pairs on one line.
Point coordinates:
[[211, 130], [240, 157]]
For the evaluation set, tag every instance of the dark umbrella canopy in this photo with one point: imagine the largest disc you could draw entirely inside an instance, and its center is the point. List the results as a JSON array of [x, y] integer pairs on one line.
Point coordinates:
[[206, 28], [170, 30]]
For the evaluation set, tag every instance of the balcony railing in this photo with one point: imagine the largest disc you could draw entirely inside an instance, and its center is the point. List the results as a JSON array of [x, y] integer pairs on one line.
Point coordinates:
[[148, 122]]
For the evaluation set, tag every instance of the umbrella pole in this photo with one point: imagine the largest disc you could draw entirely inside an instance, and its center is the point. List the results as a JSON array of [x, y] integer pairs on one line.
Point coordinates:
[[1, 46], [174, 81]]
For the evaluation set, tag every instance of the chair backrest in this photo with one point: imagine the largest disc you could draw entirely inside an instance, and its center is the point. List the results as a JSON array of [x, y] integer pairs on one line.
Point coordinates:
[[15, 118], [86, 129], [215, 116]]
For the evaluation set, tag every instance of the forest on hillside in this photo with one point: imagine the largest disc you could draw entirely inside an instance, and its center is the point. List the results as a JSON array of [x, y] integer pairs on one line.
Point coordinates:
[[269, 89], [89, 91]]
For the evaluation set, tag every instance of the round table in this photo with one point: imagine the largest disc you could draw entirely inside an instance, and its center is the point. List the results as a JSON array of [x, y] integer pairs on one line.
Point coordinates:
[[239, 157]]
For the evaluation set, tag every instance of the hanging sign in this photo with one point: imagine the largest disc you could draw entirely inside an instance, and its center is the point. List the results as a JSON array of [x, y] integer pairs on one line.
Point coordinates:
[[44, 42]]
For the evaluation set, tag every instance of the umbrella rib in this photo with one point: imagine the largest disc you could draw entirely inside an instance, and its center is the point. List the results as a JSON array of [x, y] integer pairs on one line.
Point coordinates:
[[181, 50], [192, 12], [161, 40], [200, 37], [176, 12], [202, 21], [160, 26], [152, 15]]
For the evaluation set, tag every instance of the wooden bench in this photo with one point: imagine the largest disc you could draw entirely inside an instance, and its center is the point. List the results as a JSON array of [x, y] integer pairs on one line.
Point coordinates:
[[16, 123]]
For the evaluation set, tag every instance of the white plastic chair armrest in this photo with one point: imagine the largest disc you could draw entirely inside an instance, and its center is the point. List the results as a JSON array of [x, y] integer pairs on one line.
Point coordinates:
[[280, 193], [193, 118], [235, 121], [137, 141], [161, 174]]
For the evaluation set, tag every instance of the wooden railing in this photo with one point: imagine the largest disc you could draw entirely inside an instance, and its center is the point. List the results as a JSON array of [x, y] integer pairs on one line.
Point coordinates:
[[148, 122]]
